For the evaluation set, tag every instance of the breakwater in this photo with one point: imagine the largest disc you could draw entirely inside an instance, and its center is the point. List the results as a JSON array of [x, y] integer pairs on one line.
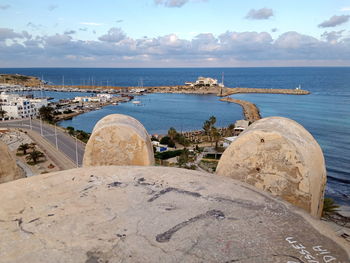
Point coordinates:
[[231, 91], [250, 110]]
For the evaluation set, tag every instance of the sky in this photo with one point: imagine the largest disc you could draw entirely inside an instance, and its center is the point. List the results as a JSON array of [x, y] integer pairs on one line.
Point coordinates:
[[174, 33]]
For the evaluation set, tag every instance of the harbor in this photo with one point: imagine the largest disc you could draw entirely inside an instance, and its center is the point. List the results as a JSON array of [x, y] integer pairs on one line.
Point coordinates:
[[175, 106]]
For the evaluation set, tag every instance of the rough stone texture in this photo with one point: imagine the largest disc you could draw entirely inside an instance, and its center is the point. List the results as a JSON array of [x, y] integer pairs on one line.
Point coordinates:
[[8, 167], [154, 214], [118, 140], [279, 156]]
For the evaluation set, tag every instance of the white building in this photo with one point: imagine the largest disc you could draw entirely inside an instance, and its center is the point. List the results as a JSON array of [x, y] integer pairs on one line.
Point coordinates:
[[17, 107], [202, 81], [138, 90], [240, 126], [38, 103], [228, 141], [105, 96], [88, 99]]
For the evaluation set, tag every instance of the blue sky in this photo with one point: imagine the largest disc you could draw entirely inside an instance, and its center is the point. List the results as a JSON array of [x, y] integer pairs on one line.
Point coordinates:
[[180, 33]]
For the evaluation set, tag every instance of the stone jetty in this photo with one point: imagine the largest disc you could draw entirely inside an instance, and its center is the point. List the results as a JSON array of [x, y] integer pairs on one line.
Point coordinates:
[[250, 110], [231, 91]]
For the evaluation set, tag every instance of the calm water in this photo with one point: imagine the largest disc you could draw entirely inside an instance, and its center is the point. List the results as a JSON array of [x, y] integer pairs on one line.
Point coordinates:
[[325, 113], [159, 112]]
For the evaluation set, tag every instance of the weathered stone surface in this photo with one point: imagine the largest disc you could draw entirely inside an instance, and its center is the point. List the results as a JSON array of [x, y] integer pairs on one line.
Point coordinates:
[[8, 167], [279, 156], [154, 214], [118, 140]]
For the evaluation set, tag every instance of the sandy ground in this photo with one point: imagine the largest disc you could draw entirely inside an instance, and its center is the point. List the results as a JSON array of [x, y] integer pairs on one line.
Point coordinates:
[[14, 138]]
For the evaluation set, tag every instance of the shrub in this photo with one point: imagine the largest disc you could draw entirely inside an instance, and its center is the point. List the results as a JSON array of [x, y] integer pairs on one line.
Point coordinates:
[[329, 206], [167, 155], [167, 141]]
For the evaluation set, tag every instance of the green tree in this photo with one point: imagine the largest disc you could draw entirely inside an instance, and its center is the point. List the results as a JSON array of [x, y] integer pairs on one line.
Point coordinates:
[[329, 206], [166, 140], [182, 140], [214, 133], [46, 113], [230, 130], [71, 130], [34, 156], [83, 136], [212, 120], [23, 147], [183, 158], [172, 133], [2, 113], [206, 127]]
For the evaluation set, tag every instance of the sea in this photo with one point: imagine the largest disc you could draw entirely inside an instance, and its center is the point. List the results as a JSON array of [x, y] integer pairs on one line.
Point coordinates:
[[325, 113]]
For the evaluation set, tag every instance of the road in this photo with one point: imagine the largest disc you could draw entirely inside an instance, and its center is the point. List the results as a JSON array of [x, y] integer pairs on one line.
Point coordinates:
[[72, 148]]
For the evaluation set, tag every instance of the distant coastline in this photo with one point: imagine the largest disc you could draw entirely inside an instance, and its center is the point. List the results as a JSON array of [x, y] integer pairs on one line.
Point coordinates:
[[250, 110]]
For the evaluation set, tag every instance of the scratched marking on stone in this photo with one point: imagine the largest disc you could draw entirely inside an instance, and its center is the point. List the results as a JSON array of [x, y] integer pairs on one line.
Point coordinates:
[[172, 189], [310, 257], [166, 236]]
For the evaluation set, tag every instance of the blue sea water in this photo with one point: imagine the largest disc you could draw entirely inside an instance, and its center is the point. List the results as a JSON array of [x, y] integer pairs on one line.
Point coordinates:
[[325, 113]]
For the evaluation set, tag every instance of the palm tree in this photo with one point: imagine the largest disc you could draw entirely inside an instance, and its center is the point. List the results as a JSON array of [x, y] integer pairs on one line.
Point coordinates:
[[34, 156], [212, 120], [329, 206], [172, 133], [23, 147], [32, 145], [215, 134], [206, 127], [2, 113]]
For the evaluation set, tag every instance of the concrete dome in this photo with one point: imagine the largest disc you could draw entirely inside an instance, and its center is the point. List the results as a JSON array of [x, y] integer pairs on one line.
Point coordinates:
[[279, 156], [118, 140]]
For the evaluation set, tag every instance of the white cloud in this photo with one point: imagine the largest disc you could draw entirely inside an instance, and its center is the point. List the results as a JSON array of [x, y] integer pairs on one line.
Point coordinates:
[[114, 35], [335, 21], [4, 7], [175, 3], [260, 14], [333, 36], [52, 7], [91, 24], [345, 9], [115, 48], [7, 33]]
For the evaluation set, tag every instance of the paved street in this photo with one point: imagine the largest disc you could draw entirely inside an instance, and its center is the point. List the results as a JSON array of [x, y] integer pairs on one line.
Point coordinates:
[[66, 144]]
